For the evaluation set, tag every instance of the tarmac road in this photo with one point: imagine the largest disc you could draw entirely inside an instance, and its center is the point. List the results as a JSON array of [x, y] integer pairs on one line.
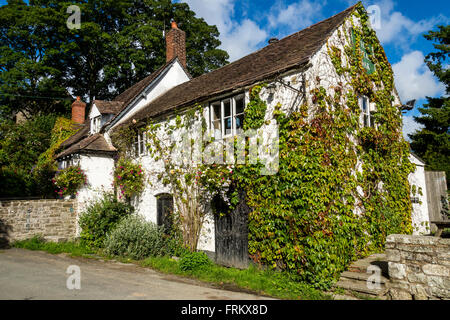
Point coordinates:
[[29, 275]]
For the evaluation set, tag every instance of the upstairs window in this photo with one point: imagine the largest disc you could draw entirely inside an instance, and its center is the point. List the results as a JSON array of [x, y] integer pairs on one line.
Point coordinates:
[[139, 144], [227, 116], [365, 112], [96, 124]]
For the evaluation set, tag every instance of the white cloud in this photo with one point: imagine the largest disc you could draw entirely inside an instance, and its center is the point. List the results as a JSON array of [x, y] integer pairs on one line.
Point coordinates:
[[400, 30], [413, 79], [410, 126], [238, 39], [295, 16]]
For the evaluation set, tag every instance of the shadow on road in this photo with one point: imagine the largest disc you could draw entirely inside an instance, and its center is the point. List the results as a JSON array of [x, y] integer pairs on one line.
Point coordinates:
[[4, 235]]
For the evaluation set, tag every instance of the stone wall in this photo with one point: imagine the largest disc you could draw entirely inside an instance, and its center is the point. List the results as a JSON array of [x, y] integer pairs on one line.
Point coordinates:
[[22, 219], [419, 267]]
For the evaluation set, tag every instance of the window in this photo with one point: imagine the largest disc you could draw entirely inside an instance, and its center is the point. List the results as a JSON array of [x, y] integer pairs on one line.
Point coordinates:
[[139, 144], [365, 111], [96, 124], [164, 209], [227, 116]]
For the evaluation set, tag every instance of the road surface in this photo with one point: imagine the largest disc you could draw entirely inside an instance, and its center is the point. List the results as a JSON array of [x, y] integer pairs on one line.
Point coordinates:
[[29, 275]]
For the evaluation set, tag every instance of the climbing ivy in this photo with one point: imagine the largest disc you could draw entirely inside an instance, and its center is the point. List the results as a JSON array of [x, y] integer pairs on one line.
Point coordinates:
[[319, 213]]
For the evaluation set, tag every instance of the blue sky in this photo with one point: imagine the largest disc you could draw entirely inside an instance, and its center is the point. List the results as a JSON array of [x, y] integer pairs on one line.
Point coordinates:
[[246, 25]]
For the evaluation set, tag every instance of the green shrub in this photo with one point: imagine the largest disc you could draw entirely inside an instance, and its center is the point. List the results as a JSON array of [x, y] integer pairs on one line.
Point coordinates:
[[194, 260], [135, 238], [99, 218], [69, 180]]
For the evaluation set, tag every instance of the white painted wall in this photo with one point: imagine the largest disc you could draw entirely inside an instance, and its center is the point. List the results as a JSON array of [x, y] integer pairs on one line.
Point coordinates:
[[174, 76], [99, 173], [420, 216]]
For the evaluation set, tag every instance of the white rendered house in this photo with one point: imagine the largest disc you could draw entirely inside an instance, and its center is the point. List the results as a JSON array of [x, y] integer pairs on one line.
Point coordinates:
[[291, 68]]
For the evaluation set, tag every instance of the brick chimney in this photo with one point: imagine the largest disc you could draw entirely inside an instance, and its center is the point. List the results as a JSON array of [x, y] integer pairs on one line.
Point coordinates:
[[176, 44], [78, 111]]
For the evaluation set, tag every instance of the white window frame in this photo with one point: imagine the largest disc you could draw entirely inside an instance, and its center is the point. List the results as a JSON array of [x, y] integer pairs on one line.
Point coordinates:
[[233, 116], [96, 124], [365, 113], [140, 144]]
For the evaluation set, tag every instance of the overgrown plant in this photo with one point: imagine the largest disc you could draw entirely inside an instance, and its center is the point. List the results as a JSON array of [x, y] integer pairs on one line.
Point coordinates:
[[100, 217], [320, 212], [128, 178], [192, 182], [69, 180]]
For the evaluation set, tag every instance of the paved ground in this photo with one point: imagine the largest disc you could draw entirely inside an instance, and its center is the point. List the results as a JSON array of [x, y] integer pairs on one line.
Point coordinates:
[[26, 275]]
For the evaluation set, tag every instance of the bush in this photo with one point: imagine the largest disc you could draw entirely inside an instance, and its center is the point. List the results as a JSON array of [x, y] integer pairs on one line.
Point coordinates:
[[101, 217], [128, 178], [69, 180], [194, 260], [136, 238]]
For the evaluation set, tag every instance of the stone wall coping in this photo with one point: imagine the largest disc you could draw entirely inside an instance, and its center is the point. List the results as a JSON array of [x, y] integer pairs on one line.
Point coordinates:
[[421, 240]]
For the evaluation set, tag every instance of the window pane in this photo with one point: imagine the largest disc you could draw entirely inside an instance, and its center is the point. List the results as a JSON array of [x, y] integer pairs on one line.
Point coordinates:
[[227, 108], [366, 121], [216, 111], [365, 104], [239, 104], [239, 121], [227, 122]]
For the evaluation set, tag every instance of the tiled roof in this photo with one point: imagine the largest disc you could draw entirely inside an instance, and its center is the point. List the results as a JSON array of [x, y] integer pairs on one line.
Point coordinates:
[[95, 143], [278, 57], [79, 135], [108, 107]]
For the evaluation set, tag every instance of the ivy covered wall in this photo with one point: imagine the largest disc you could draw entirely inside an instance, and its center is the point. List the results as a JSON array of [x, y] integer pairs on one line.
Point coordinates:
[[341, 187]]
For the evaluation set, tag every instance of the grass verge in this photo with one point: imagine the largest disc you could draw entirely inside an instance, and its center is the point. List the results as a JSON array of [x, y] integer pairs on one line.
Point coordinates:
[[280, 285]]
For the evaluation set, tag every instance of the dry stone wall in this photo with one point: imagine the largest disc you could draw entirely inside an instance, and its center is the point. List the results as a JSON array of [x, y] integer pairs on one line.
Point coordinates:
[[419, 267], [55, 220]]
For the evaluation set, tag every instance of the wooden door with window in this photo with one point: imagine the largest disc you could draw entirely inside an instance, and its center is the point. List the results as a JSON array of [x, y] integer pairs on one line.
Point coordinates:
[[165, 211], [231, 236]]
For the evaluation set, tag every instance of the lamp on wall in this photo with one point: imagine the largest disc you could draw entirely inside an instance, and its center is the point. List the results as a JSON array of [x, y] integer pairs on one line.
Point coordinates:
[[409, 105]]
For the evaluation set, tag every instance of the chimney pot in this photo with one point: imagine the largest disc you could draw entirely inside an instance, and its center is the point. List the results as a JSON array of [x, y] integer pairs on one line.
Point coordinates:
[[174, 24], [78, 111]]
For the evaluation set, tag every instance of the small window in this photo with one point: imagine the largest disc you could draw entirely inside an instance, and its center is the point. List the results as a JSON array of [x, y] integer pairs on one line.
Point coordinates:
[[96, 124], [164, 211], [139, 144], [365, 111], [227, 116]]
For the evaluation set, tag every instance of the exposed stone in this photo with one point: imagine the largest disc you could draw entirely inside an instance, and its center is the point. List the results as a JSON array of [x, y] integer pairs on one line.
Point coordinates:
[[398, 294], [397, 270], [53, 219], [419, 267], [434, 269]]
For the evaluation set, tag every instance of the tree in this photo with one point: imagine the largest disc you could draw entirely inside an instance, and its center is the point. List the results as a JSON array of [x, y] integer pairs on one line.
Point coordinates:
[[30, 78], [119, 43], [432, 143], [20, 147]]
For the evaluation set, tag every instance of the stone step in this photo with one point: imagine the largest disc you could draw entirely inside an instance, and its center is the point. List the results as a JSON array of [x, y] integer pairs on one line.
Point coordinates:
[[360, 276], [360, 287], [362, 266]]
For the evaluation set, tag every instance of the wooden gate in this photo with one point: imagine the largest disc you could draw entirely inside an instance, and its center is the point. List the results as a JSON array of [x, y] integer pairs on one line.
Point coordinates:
[[232, 236]]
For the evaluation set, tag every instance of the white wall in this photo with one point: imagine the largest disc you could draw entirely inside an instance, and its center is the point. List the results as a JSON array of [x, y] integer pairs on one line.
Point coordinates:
[[420, 216], [99, 173], [174, 76]]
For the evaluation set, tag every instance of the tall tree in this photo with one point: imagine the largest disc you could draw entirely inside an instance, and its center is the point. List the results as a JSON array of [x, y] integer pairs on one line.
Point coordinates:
[[119, 43], [432, 143], [30, 80]]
